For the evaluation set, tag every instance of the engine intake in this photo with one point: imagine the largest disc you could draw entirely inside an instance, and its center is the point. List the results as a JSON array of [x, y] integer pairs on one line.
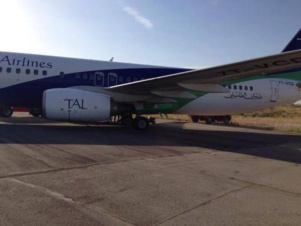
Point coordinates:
[[67, 104]]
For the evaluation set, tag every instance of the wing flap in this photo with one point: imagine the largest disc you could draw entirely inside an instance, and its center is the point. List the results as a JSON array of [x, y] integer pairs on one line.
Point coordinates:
[[206, 88], [174, 94]]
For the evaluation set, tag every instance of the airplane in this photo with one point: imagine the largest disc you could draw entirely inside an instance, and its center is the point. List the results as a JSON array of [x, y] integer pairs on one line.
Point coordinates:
[[79, 90]]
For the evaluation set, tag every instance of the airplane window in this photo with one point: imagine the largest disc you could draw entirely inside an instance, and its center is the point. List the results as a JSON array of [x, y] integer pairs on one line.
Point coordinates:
[[0, 69], [251, 88], [120, 79], [77, 75], [18, 70], [240, 87], [229, 86], [36, 72], [85, 76], [235, 86], [91, 76], [8, 70], [99, 76], [27, 71], [44, 72], [246, 87]]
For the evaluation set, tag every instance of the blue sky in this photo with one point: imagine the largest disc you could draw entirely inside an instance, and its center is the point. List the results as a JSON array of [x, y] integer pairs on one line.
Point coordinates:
[[190, 33]]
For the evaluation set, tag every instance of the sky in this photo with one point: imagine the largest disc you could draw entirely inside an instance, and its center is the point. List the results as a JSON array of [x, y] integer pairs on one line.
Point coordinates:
[[177, 33]]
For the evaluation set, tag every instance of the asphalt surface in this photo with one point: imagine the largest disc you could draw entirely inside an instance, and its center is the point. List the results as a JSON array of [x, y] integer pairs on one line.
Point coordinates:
[[176, 173]]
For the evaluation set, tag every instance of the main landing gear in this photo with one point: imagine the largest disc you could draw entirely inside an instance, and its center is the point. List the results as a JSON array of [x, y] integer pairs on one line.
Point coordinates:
[[225, 119], [6, 112], [139, 122]]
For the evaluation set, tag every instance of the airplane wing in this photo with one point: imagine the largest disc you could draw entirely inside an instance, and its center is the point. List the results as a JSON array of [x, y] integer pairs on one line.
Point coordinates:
[[180, 85], [200, 80]]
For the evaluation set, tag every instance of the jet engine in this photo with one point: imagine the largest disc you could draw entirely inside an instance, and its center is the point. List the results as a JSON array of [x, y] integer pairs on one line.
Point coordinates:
[[68, 104]]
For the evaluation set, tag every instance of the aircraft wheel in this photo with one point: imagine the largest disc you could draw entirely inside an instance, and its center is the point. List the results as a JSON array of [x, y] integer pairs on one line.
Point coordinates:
[[7, 111], [227, 120], [141, 123], [195, 118], [209, 120]]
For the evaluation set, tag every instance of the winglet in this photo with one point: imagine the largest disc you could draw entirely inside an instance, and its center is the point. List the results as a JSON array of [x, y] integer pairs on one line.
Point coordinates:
[[294, 44]]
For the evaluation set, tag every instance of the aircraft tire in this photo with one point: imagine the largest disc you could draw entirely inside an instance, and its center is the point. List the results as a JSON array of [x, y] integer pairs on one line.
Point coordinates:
[[6, 112], [209, 120], [195, 118], [141, 123], [227, 120]]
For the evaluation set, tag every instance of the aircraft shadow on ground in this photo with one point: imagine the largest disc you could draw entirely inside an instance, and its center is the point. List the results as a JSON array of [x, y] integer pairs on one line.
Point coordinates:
[[252, 143], [24, 120]]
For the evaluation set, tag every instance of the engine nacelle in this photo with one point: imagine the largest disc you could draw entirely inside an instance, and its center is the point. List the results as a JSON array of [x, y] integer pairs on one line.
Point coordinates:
[[67, 104]]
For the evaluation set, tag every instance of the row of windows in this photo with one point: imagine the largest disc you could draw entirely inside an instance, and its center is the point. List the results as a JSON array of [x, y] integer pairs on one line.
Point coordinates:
[[239, 87], [27, 71], [101, 76]]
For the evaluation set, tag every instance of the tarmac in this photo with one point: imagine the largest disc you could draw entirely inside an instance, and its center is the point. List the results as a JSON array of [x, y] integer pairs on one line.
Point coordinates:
[[176, 173]]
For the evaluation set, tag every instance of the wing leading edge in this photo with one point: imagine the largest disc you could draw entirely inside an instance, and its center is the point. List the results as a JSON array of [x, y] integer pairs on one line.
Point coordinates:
[[208, 80]]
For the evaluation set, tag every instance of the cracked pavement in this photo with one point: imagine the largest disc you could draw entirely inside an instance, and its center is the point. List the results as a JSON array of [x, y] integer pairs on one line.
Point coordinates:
[[54, 173]]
